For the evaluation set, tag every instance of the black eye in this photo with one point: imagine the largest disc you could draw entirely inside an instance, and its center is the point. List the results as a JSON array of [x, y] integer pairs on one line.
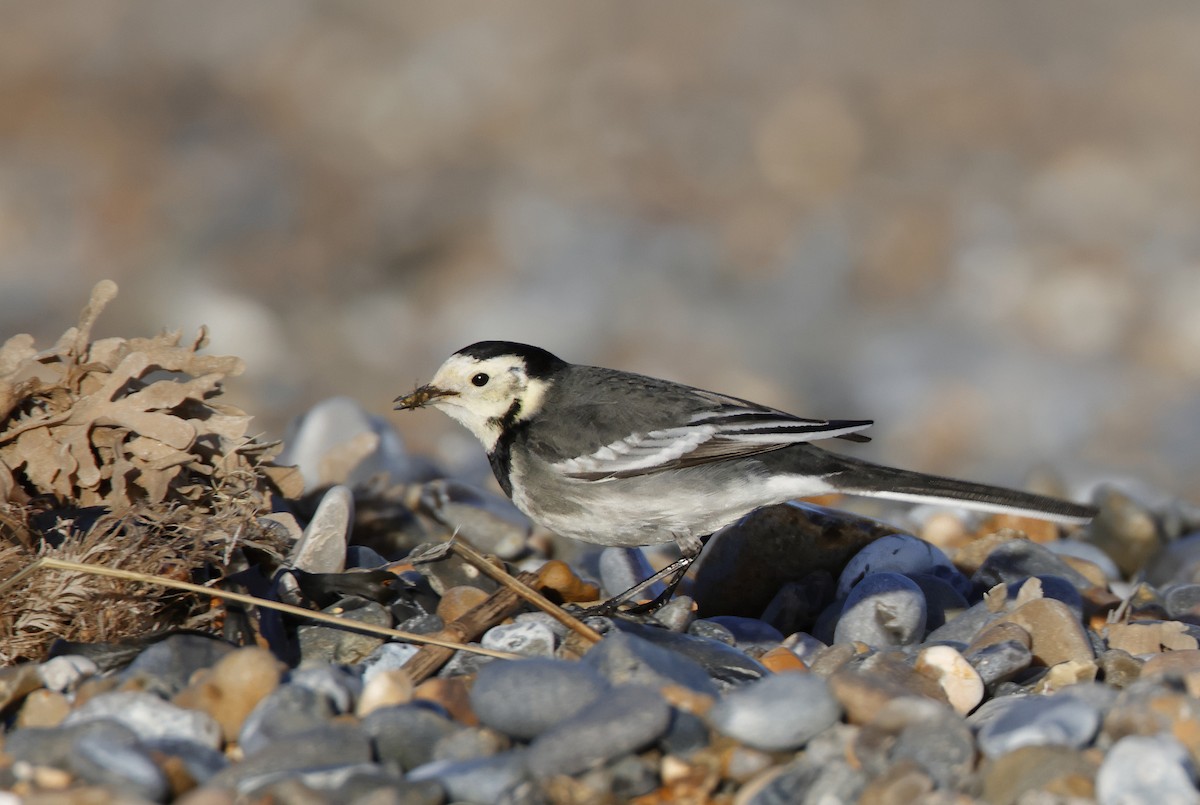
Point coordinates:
[[480, 379]]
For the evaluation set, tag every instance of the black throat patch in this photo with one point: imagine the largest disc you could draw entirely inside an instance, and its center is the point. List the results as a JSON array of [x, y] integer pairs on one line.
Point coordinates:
[[501, 456]]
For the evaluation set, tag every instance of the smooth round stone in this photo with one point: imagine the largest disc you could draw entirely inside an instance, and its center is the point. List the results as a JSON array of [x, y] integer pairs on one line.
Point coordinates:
[[677, 614], [234, 687], [406, 735], [925, 732], [166, 667], [1177, 563], [470, 743], [963, 627], [65, 672], [749, 632], [884, 609], [524, 698], [1059, 720], [1031, 770], [531, 639], [364, 557], [1141, 768], [796, 605], [622, 658], [942, 599], [686, 734], [745, 564], [55, 746], [1018, 559], [1053, 587], [903, 554], [1125, 530], [776, 713], [712, 629], [487, 779], [492, 523], [386, 689], [622, 568], [961, 683], [201, 762], [287, 710], [623, 720], [804, 780], [1183, 602], [149, 717], [804, 645]]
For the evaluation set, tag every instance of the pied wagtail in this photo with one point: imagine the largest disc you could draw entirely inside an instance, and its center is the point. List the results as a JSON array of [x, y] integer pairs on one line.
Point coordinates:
[[622, 459]]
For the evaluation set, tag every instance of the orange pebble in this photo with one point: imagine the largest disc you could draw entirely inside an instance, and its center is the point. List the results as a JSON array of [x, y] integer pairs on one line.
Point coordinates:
[[458, 600], [782, 658]]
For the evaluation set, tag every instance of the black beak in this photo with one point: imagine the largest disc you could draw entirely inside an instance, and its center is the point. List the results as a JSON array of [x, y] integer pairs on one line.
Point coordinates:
[[420, 397]]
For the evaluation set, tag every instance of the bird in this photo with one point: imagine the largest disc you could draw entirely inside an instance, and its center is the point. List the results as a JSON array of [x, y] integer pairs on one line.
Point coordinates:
[[615, 458]]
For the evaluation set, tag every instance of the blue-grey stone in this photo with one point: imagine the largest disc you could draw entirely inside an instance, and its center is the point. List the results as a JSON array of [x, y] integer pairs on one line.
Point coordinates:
[[202, 762], [339, 686], [883, 610], [124, 767], [622, 658], [724, 664], [149, 717], [778, 712], [322, 645], [406, 735], [1000, 662], [686, 734], [625, 720], [287, 710], [1088, 551], [1018, 559], [524, 698], [1054, 587], [961, 630], [622, 568], [1147, 768], [750, 632], [942, 599], [1058, 720], [903, 554], [481, 780], [712, 630], [166, 667], [387, 657], [64, 672], [322, 548], [326, 747]]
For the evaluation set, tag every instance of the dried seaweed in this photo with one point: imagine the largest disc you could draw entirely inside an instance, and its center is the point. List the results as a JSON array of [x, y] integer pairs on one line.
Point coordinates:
[[133, 429], [118, 422]]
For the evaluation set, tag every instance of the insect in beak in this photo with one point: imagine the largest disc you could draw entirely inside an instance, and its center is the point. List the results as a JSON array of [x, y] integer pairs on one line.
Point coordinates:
[[420, 397]]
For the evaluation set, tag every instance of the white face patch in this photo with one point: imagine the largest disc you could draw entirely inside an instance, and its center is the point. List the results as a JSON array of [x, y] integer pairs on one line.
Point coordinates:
[[485, 392]]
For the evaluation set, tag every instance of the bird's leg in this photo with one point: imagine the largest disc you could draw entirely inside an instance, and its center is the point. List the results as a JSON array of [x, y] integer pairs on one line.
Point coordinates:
[[690, 547]]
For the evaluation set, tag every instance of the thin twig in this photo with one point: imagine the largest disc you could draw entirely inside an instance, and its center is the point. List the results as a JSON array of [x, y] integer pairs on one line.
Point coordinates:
[[323, 617], [478, 560]]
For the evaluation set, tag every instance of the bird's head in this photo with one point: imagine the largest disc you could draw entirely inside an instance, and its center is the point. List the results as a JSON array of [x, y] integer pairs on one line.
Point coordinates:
[[488, 387]]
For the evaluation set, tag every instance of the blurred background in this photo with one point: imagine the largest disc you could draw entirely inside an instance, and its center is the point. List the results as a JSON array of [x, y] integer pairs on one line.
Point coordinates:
[[977, 223]]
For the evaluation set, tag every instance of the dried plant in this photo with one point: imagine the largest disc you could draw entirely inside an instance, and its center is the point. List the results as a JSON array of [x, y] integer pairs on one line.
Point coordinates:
[[131, 428]]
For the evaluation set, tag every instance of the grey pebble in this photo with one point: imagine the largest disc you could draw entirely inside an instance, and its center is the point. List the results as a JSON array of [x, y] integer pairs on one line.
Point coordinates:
[[287, 710], [712, 630], [778, 712], [942, 599], [323, 747], [322, 548], [327, 644], [387, 657], [724, 664], [903, 554], [149, 717], [1016, 721], [882, 610], [1054, 587], [622, 568], [1018, 559], [524, 698], [623, 658], [1088, 551], [406, 735], [469, 743], [201, 762], [963, 627], [686, 734], [678, 614], [529, 638], [481, 780], [805, 781], [625, 720], [167, 666], [339, 686], [749, 632], [1147, 768], [1000, 662], [126, 767]]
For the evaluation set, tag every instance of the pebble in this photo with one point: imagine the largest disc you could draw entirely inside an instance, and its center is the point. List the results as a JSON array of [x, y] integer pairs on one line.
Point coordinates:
[[1063, 773], [1018, 559], [288, 710], [322, 548], [487, 779], [530, 638], [725, 665], [960, 681], [166, 666], [624, 658], [149, 717], [622, 568], [233, 687], [629, 717], [406, 735], [1147, 768], [385, 689], [325, 644], [1055, 630], [883, 609], [65, 672], [780, 712], [903, 554], [527, 697], [491, 523], [1013, 722]]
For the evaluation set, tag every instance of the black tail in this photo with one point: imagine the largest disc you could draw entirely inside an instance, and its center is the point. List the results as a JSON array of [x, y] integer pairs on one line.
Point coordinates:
[[854, 476]]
